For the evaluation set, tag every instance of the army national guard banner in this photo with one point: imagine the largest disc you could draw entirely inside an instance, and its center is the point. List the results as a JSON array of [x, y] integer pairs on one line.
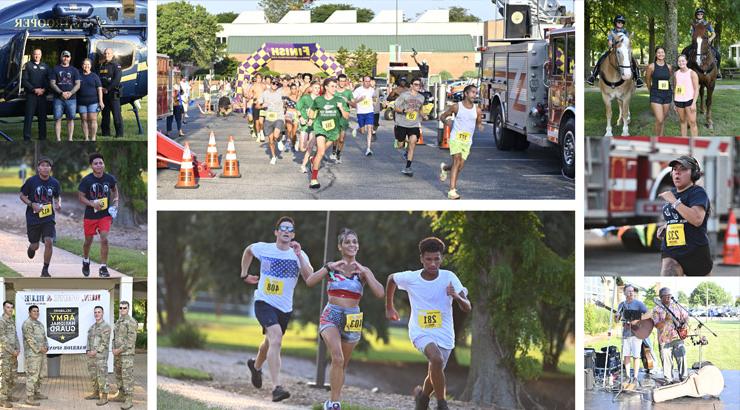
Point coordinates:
[[65, 314]]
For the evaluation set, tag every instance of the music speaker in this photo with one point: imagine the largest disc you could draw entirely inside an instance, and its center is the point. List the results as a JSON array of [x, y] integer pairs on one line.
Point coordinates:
[[518, 21]]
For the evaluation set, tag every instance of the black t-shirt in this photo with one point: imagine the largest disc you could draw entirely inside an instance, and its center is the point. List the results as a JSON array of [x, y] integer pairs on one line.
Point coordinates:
[[100, 189], [65, 78], [88, 93], [224, 102], [41, 192], [694, 237]]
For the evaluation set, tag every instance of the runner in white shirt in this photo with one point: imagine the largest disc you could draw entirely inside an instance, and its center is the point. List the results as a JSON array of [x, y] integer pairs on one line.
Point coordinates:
[[280, 265], [431, 292], [468, 117], [364, 97]]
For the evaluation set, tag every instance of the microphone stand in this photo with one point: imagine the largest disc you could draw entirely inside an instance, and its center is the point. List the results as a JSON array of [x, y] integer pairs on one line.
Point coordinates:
[[698, 329]]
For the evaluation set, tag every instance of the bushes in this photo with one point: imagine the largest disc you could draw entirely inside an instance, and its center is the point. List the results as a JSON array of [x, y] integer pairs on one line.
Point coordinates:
[[188, 336], [141, 340], [445, 75], [595, 319]]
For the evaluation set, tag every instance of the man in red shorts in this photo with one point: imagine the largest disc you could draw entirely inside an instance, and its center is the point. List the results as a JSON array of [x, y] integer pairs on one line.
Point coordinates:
[[98, 192]]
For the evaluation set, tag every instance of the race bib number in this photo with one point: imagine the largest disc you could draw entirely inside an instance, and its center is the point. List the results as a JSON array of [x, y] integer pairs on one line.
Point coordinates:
[[675, 235], [328, 125], [426, 109], [272, 116], [680, 91], [45, 211], [664, 85], [430, 319], [274, 287], [353, 323], [462, 136], [103, 203], [263, 113], [411, 116], [366, 103]]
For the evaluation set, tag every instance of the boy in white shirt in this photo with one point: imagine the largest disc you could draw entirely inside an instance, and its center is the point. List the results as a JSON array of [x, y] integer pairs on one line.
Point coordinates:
[[431, 292]]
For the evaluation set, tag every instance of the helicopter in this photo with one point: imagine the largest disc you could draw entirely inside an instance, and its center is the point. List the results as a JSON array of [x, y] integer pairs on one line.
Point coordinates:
[[85, 29]]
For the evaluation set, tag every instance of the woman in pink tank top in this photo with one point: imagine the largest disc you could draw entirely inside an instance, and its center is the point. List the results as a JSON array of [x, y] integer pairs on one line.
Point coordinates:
[[687, 88]]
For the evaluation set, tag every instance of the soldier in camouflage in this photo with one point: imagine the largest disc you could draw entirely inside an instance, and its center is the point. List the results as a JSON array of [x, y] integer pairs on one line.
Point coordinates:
[[124, 343], [9, 349], [35, 348], [98, 340]]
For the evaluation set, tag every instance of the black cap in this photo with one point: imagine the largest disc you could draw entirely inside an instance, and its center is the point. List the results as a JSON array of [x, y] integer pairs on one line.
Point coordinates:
[[685, 161], [45, 159]]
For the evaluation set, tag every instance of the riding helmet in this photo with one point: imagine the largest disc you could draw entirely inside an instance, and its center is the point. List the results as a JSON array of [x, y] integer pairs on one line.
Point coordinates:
[[699, 10], [620, 18]]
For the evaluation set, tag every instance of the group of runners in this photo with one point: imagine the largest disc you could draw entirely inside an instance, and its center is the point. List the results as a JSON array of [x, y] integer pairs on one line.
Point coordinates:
[[313, 117], [431, 292], [41, 194]]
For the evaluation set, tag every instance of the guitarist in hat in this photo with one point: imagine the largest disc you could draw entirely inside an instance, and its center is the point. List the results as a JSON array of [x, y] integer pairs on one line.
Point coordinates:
[[671, 332], [630, 312]]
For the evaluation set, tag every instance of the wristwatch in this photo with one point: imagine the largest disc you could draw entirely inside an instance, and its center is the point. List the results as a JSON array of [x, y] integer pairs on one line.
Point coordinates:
[[677, 203]]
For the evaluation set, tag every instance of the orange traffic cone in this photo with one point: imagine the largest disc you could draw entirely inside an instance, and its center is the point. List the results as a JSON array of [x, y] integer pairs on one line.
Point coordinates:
[[420, 141], [231, 164], [186, 179], [731, 252], [212, 153], [445, 143]]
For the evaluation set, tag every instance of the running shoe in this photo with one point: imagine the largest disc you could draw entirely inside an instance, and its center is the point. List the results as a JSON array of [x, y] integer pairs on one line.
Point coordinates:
[[332, 405], [314, 184], [354, 132], [333, 156], [408, 171], [442, 405], [368, 152], [273, 161], [421, 402], [303, 169], [442, 172], [452, 194], [339, 160], [103, 272], [31, 253], [281, 146], [256, 374], [86, 268], [45, 273], [262, 138], [279, 394], [296, 146]]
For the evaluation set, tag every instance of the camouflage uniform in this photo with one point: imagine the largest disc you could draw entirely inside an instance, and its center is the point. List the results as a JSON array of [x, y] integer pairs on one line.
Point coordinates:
[[9, 345], [124, 338], [98, 340], [34, 339]]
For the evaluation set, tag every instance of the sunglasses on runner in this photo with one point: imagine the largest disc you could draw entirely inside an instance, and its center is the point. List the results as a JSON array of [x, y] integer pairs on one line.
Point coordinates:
[[123, 307], [416, 84], [286, 228]]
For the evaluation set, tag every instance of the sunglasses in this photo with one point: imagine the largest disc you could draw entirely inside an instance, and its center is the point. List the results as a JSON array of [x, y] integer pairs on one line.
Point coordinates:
[[416, 84], [286, 228], [123, 307]]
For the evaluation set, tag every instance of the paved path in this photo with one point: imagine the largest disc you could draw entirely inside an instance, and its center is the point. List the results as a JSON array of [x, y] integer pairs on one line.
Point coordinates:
[[217, 398], [63, 264]]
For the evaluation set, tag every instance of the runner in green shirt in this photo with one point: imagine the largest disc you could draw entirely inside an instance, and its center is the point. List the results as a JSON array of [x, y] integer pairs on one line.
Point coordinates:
[[327, 111], [307, 137], [344, 91]]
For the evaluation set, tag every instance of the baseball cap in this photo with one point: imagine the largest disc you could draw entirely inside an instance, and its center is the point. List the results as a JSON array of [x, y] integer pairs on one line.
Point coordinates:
[[685, 161], [66, 53], [45, 159]]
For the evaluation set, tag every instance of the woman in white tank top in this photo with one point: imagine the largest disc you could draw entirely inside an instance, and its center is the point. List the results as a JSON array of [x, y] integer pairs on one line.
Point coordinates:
[[467, 118]]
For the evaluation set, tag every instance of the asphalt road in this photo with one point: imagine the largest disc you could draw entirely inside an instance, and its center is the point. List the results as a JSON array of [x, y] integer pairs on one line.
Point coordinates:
[[607, 256], [488, 173]]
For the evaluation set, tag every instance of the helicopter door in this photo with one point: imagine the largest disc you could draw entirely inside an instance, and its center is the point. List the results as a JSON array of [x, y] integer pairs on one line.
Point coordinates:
[[15, 64]]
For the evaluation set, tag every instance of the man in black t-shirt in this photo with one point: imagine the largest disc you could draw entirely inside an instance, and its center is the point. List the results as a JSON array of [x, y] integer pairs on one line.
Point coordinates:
[[41, 195], [64, 80], [99, 194]]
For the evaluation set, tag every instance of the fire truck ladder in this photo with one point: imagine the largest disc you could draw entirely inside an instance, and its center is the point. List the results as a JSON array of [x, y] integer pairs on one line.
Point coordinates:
[[597, 149]]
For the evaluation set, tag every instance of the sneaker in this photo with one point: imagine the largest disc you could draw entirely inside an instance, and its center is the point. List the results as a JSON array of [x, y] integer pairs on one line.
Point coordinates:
[[281, 146], [256, 374], [408, 171], [303, 169], [442, 405], [103, 272], [86, 268], [314, 184], [354, 132], [333, 156], [273, 161], [45, 273], [639, 83], [31, 253], [262, 138], [296, 146], [591, 79], [332, 405], [339, 160], [368, 152], [279, 394], [452, 194], [30, 402], [442, 172], [421, 402]]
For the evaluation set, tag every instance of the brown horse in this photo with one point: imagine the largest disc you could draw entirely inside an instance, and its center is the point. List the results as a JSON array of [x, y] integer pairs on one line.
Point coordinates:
[[616, 82], [701, 60]]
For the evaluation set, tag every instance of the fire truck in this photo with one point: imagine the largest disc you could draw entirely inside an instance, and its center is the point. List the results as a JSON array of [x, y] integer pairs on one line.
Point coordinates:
[[624, 176], [167, 76], [527, 90]]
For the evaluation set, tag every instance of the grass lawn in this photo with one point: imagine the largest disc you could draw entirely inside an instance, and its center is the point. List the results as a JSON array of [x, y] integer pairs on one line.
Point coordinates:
[[6, 272], [232, 332], [170, 401], [13, 126], [128, 261], [721, 350], [9, 181], [725, 105], [182, 373]]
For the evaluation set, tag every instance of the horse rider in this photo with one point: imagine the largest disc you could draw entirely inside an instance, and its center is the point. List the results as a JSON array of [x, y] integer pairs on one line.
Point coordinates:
[[699, 19], [619, 22]]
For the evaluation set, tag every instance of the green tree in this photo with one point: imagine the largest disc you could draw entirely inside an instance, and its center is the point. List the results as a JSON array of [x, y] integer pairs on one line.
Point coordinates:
[[127, 161], [364, 61], [277, 9], [461, 15], [709, 293], [683, 298], [227, 66], [445, 75], [343, 57], [187, 34], [227, 17], [320, 13]]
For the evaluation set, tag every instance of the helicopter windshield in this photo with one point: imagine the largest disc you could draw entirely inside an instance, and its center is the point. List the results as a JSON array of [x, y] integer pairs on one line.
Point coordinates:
[[123, 52]]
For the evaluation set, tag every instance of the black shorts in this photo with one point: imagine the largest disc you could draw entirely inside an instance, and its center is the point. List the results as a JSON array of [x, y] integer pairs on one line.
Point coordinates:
[[402, 133], [696, 263], [269, 315], [44, 230], [661, 96], [684, 104], [256, 113]]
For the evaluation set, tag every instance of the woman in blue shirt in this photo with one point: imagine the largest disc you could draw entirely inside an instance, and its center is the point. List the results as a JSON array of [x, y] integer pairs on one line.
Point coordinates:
[[89, 100]]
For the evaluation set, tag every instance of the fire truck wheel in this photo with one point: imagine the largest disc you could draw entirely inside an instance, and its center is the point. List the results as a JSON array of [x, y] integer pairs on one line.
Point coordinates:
[[568, 148], [502, 137], [388, 115]]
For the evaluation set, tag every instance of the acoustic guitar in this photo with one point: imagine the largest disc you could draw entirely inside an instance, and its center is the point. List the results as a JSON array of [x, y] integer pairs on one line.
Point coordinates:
[[707, 381], [641, 329], [646, 356]]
